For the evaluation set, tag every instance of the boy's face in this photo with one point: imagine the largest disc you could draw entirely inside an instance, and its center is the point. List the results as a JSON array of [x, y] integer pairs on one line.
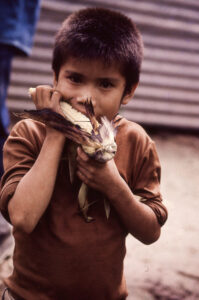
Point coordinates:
[[80, 79]]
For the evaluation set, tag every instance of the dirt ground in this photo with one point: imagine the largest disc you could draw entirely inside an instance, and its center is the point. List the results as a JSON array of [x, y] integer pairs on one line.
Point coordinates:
[[168, 269]]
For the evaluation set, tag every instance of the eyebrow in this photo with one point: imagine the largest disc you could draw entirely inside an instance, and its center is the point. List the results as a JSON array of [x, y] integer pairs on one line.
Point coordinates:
[[73, 73], [112, 79]]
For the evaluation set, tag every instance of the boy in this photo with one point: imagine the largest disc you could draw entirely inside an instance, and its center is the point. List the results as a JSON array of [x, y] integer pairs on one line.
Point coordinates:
[[58, 255]]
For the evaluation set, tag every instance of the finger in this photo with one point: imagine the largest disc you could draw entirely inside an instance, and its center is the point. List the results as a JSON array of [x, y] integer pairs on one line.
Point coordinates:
[[37, 97], [82, 177], [82, 163], [83, 171], [82, 155], [46, 94], [88, 171], [55, 101], [91, 165], [87, 168], [42, 96]]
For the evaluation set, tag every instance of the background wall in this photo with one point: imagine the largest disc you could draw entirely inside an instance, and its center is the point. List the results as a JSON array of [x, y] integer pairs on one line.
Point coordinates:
[[168, 91]]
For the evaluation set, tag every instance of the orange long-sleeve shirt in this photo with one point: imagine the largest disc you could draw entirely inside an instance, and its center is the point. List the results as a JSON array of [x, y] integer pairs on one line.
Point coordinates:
[[65, 257]]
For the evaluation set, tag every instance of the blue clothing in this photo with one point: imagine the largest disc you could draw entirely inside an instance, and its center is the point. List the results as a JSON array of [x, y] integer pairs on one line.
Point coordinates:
[[17, 27], [17, 23], [18, 20], [6, 55]]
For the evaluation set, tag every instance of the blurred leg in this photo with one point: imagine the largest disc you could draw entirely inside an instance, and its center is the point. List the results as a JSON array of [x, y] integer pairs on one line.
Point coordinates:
[[6, 55], [2, 141], [4, 227], [6, 240]]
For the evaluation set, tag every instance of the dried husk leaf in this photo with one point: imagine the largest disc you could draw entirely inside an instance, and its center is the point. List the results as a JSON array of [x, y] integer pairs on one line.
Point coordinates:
[[96, 139], [83, 202], [107, 207]]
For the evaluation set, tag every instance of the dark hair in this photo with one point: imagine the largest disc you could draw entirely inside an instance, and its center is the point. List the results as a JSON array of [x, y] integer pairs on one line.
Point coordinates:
[[98, 33]]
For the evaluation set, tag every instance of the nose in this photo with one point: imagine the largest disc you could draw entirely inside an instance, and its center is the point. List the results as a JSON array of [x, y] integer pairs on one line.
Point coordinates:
[[84, 92], [88, 93]]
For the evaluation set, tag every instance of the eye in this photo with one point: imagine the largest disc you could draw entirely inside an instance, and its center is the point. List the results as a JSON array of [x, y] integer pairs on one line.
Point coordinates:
[[75, 78], [106, 84]]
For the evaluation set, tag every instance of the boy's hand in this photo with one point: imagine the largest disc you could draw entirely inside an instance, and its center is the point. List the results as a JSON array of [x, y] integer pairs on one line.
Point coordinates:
[[103, 177], [45, 96]]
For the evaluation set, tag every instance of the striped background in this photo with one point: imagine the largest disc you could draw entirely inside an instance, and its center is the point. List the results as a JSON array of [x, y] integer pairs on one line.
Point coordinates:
[[168, 94]]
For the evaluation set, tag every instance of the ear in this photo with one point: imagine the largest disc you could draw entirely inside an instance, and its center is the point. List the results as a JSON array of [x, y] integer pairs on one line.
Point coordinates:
[[129, 96]]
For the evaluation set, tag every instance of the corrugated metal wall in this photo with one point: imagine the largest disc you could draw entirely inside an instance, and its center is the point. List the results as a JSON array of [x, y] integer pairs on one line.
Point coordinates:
[[168, 94]]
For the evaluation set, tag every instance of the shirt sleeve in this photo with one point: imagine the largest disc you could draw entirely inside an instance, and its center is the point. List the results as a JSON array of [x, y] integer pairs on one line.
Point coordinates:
[[19, 154], [147, 184]]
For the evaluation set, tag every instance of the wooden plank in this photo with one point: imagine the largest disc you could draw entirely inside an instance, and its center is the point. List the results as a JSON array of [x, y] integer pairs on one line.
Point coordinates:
[[174, 82], [171, 42], [30, 79], [166, 94], [168, 68], [169, 121], [193, 4], [16, 106], [153, 8], [149, 19], [181, 57], [47, 26], [163, 107], [59, 6], [44, 54], [31, 65]]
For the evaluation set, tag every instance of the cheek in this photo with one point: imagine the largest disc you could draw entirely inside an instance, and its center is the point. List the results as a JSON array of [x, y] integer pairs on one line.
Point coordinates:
[[66, 89], [108, 108]]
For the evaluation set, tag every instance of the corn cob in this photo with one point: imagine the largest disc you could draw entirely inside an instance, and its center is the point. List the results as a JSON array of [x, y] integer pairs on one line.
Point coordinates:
[[96, 138]]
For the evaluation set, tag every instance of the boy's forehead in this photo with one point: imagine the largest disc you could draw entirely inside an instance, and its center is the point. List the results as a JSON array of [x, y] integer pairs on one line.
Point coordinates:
[[96, 66]]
